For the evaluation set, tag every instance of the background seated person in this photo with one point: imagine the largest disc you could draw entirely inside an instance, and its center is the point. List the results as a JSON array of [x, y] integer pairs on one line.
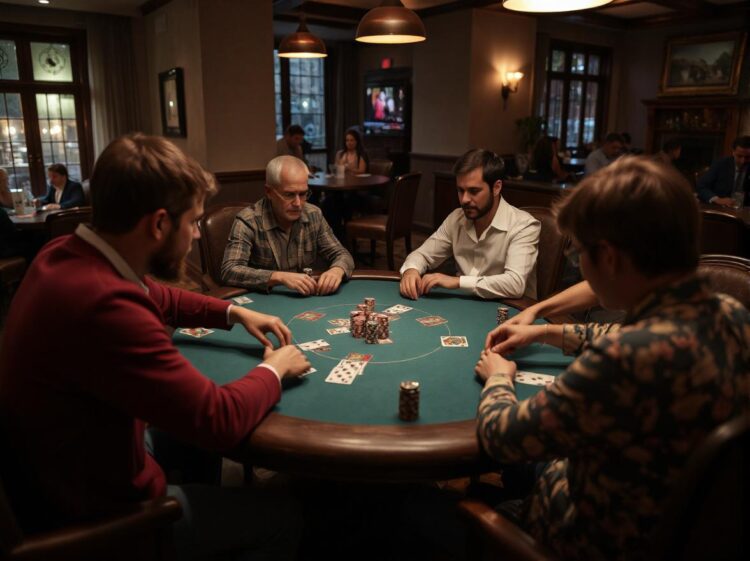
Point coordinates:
[[670, 152], [608, 153], [272, 241], [620, 423], [493, 243], [291, 143], [63, 193], [544, 164], [353, 156], [728, 176], [73, 437]]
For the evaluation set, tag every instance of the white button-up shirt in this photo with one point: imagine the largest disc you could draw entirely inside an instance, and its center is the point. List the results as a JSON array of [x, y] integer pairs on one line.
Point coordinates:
[[501, 263]]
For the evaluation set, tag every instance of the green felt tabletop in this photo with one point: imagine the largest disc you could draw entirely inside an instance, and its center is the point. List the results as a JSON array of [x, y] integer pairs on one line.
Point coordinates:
[[449, 388]]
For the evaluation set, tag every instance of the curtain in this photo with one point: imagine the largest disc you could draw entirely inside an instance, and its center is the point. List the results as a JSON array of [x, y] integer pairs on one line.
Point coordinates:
[[342, 94], [113, 79]]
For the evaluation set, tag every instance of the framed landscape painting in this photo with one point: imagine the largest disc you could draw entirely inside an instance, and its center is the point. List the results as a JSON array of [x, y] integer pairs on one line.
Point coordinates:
[[703, 65], [172, 95]]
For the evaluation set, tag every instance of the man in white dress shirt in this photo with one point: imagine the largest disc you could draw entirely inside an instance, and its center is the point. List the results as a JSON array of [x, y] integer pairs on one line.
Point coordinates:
[[493, 243]]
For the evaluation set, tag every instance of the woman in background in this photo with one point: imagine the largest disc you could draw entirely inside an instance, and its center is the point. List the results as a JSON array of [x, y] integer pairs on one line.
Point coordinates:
[[353, 156], [545, 165]]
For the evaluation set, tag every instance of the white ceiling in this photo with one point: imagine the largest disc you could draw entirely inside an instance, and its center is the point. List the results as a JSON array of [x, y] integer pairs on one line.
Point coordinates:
[[116, 7]]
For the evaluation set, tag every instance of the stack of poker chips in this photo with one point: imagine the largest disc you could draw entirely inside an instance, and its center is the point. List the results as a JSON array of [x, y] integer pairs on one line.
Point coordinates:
[[370, 303], [308, 271], [383, 322], [371, 332], [502, 315], [357, 321], [408, 401]]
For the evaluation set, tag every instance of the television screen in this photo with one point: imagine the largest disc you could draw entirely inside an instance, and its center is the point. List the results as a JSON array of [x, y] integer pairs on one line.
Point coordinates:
[[385, 108]]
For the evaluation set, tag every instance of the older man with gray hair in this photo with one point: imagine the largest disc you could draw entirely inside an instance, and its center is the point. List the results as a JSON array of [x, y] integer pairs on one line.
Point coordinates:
[[275, 239]]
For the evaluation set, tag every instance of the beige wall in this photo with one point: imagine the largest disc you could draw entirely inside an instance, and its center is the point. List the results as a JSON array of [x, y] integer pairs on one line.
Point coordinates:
[[500, 43], [173, 39], [237, 60], [441, 76]]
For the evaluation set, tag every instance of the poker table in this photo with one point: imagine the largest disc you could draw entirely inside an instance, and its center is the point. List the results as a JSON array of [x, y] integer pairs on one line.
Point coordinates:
[[353, 431]]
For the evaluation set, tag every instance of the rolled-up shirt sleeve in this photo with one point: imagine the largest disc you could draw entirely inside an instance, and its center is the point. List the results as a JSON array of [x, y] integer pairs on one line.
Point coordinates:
[[519, 264], [434, 251], [235, 270]]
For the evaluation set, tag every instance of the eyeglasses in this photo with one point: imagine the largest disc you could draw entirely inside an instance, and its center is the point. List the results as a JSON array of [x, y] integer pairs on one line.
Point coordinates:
[[291, 197]]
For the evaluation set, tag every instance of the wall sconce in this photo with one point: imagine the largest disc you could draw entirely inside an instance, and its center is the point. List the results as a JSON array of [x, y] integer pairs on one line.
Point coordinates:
[[510, 85]]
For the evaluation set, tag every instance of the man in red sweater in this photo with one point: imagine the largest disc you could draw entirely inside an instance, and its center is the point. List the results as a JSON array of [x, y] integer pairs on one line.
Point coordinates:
[[87, 362]]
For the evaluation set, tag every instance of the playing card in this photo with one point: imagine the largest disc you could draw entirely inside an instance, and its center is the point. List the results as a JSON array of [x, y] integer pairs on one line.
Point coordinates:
[[337, 330], [432, 321], [393, 317], [345, 372], [397, 309], [385, 342], [196, 332], [454, 341], [309, 316], [361, 357], [533, 378], [339, 322], [308, 371], [242, 300], [317, 345]]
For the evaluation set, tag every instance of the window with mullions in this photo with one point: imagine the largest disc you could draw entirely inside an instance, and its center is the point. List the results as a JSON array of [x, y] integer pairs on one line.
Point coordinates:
[[300, 98], [572, 102]]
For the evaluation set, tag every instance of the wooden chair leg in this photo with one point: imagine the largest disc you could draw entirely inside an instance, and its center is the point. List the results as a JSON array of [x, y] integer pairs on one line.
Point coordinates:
[[372, 251], [389, 252]]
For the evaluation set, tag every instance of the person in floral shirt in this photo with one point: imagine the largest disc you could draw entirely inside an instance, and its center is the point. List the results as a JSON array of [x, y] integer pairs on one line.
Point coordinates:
[[618, 426]]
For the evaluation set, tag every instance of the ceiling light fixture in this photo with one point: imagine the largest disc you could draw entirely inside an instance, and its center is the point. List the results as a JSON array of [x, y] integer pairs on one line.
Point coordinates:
[[551, 6], [302, 44], [43, 1], [391, 22]]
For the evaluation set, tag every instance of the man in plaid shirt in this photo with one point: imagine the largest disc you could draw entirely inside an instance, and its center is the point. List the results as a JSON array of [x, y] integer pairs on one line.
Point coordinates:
[[273, 240]]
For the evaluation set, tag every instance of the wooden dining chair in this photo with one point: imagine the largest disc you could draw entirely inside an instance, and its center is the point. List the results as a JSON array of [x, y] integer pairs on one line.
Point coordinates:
[[215, 226], [65, 222], [550, 262], [143, 532], [722, 232], [388, 227], [706, 516]]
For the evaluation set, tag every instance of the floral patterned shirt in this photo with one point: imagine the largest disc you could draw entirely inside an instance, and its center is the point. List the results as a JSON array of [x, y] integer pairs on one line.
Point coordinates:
[[620, 423]]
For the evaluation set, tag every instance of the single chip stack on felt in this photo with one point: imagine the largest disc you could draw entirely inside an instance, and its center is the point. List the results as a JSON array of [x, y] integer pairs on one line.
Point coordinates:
[[308, 271], [383, 325], [408, 401], [502, 314], [371, 332]]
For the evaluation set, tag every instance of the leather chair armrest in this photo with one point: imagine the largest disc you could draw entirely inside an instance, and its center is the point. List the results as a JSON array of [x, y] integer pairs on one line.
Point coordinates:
[[505, 539], [73, 542]]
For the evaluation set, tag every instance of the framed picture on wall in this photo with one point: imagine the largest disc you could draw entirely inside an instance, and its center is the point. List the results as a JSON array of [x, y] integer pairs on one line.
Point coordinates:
[[703, 65], [172, 95]]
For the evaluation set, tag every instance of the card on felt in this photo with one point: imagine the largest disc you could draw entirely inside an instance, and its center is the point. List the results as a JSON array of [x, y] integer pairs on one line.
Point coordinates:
[[454, 341], [533, 378], [358, 356], [196, 332], [242, 300], [317, 345], [385, 342], [337, 330], [397, 309], [345, 372], [339, 322], [309, 316], [432, 321], [307, 372]]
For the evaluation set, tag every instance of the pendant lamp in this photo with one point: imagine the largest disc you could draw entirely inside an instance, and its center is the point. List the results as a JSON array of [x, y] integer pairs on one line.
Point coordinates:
[[391, 22], [550, 6], [302, 44]]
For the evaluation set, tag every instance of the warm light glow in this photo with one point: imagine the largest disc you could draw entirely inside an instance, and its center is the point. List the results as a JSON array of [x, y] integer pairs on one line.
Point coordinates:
[[512, 79], [12, 131], [55, 130], [43, 1], [552, 6], [171, 103], [302, 55], [391, 39]]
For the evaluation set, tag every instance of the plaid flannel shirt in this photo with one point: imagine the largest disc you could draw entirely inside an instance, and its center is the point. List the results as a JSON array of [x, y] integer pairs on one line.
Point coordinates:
[[257, 246]]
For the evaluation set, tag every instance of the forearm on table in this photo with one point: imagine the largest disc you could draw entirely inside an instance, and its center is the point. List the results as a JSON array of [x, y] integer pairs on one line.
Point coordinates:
[[246, 277], [577, 298]]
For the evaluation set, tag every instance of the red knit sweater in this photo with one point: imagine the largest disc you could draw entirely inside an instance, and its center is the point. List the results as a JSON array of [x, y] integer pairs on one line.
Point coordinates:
[[86, 362]]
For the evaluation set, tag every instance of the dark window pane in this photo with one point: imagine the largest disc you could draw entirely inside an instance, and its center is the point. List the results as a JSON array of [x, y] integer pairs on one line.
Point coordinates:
[[575, 95], [558, 61], [594, 65], [579, 63], [589, 116]]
